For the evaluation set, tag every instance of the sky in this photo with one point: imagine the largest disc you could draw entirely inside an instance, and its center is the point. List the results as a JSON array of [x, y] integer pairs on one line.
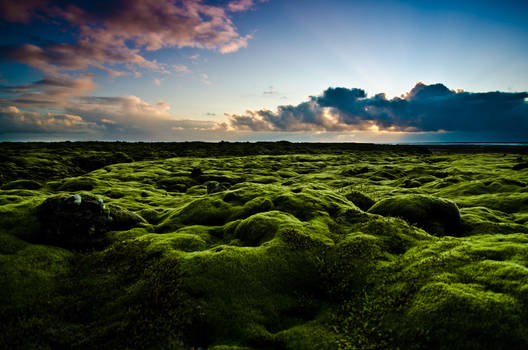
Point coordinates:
[[255, 70]]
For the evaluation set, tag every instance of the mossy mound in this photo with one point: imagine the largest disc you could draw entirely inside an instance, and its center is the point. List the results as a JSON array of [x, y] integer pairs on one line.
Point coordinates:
[[22, 184], [436, 215], [262, 227], [466, 315], [203, 211], [360, 199], [78, 184]]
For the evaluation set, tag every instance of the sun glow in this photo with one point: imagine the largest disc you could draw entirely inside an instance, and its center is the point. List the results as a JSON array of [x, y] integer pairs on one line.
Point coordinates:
[[374, 128]]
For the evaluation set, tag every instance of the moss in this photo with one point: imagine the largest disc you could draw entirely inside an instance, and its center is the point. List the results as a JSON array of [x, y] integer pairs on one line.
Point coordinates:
[[256, 205], [311, 335], [435, 215], [203, 211], [176, 184], [10, 244], [29, 275], [20, 219], [282, 257], [245, 287], [466, 315], [167, 242], [152, 215], [123, 219], [22, 184], [262, 227], [304, 238], [360, 199], [310, 203], [78, 184]]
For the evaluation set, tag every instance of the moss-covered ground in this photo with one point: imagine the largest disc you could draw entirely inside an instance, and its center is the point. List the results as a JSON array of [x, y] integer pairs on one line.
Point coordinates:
[[337, 249]]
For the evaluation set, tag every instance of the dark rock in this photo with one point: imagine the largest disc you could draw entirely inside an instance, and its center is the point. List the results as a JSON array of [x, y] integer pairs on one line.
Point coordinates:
[[214, 187], [435, 215], [75, 221]]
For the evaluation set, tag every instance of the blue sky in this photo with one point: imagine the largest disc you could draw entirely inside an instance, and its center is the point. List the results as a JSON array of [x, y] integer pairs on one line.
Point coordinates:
[[208, 70]]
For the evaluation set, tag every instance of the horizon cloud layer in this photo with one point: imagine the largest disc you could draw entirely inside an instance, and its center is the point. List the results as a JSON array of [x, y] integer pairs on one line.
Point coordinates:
[[426, 108]]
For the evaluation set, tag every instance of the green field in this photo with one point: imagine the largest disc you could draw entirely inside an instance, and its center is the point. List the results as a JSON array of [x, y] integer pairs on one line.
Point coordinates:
[[262, 246]]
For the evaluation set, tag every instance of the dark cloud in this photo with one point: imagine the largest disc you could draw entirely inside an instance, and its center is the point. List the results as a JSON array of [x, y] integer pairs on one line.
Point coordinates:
[[426, 108]]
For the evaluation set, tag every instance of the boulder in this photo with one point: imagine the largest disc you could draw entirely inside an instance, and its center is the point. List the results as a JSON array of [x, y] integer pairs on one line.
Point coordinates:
[[73, 221], [214, 187]]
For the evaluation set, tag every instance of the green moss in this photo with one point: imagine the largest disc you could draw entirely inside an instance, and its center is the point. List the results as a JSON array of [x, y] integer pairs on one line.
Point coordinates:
[[10, 244], [29, 274], [262, 227], [20, 219], [282, 256], [435, 215], [78, 184], [310, 335], [360, 199], [466, 315], [203, 211], [22, 184], [245, 287]]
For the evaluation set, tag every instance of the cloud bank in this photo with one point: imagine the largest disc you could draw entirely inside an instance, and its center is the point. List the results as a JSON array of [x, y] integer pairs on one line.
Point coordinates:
[[427, 112], [104, 118], [426, 108]]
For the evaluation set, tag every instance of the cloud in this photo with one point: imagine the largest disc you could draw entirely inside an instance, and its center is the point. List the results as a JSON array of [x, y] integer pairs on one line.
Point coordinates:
[[241, 5], [15, 121], [181, 68], [205, 79], [51, 91], [130, 116], [426, 108], [116, 32], [123, 117], [21, 11], [270, 91], [157, 81]]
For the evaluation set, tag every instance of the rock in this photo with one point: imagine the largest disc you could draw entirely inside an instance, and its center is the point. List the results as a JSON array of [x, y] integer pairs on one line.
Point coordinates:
[[214, 187], [76, 222], [435, 215]]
